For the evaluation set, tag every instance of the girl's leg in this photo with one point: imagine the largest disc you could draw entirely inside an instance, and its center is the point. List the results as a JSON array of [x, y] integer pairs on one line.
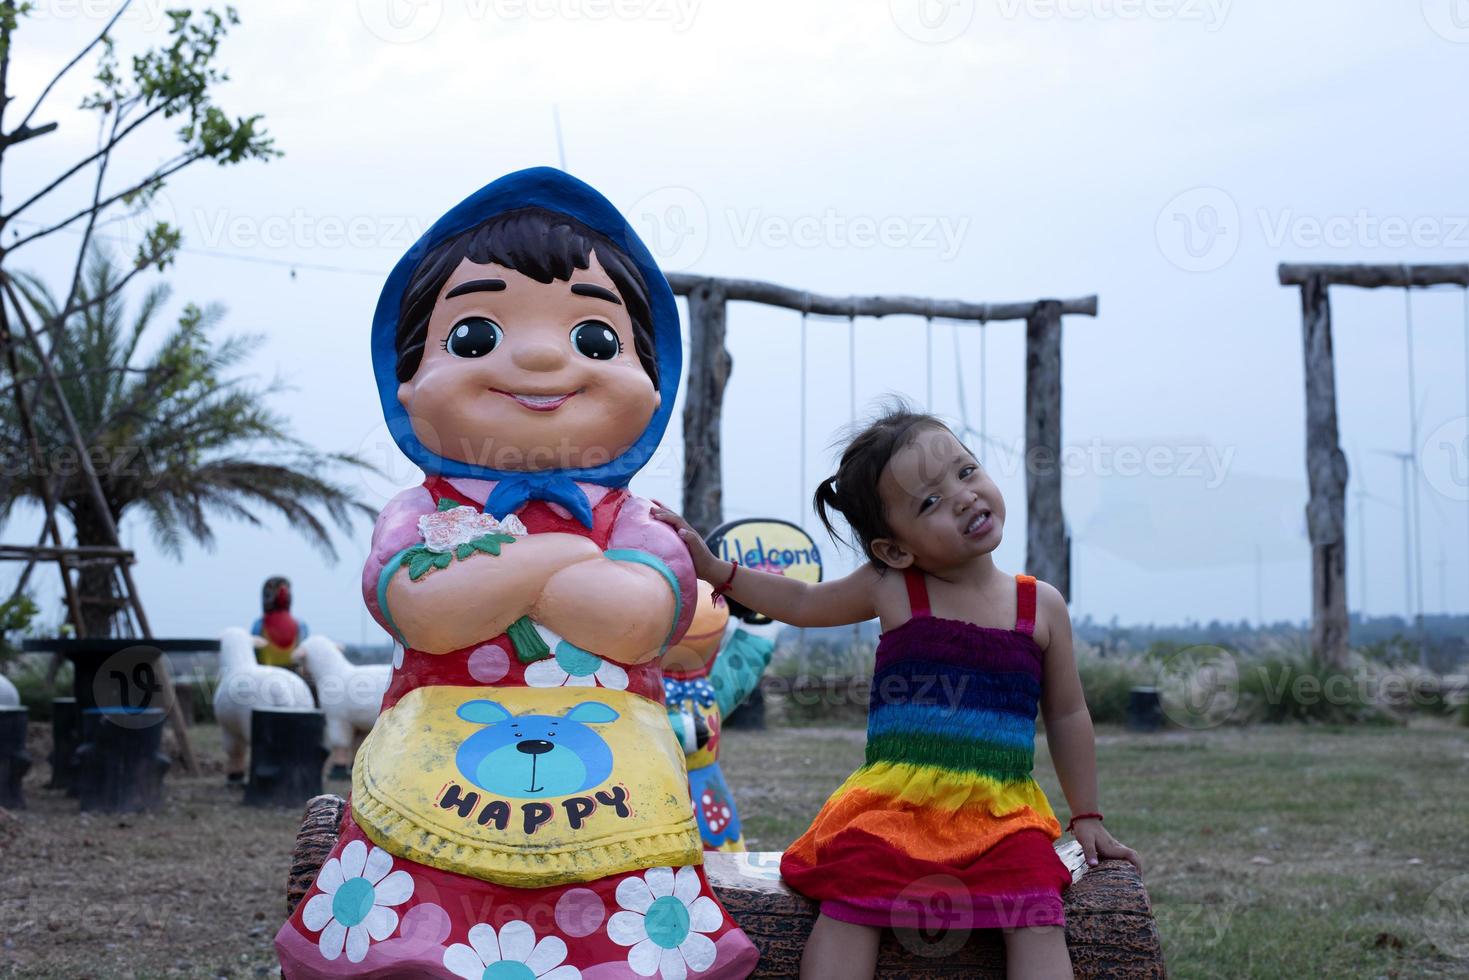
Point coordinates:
[[1037, 953], [839, 950]]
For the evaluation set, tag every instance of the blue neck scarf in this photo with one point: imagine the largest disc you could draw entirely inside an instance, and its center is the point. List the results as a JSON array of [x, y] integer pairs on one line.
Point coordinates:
[[553, 190]]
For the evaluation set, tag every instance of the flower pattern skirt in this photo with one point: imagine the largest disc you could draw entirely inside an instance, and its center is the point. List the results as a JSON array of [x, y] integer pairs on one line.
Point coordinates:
[[371, 914]]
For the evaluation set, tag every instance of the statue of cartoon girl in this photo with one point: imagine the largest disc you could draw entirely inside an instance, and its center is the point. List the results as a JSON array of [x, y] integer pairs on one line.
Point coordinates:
[[520, 808]]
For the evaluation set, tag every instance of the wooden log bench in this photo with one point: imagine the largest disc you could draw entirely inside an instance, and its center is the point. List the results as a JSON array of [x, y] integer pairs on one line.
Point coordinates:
[[66, 736], [286, 756], [1110, 928], [120, 762], [15, 761]]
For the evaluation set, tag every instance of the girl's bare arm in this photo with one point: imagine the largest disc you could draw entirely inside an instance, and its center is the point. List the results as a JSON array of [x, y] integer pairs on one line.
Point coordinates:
[[1069, 733], [835, 603]]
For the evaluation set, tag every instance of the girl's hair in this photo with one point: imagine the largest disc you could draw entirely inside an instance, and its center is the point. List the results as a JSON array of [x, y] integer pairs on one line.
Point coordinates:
[[535, 242], [852, 490]]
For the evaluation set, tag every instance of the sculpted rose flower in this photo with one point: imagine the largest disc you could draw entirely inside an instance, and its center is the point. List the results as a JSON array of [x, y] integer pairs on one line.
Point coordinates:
[[445, 530]]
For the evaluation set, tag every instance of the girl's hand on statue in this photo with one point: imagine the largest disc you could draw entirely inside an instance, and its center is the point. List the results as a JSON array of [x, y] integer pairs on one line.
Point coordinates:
[[1097, 843], [706, 566]]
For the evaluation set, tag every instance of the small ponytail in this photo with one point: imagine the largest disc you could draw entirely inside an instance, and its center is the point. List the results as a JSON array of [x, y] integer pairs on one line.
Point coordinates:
[[825, 501]]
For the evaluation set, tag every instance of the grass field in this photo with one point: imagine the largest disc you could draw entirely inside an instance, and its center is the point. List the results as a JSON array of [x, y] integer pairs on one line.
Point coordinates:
[[1275, 851]]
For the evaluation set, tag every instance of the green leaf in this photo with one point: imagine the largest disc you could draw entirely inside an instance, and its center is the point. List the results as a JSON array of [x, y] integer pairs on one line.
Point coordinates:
[[443, 560], [463, 551], [420, 566], [490, 543], [446, 504], [529, 647]]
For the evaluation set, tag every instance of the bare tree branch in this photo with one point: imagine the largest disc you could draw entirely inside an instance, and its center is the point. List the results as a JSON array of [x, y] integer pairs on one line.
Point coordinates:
[[76, 168], [73, 62], [157, 177]]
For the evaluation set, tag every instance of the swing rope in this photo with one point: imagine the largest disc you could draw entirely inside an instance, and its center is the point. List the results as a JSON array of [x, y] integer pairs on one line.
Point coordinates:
[[928, 360], [852, 364], [801, 465], [982, 433], [1413, 446]]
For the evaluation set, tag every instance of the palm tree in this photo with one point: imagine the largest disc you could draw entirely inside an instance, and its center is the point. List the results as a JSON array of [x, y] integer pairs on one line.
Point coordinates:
[[170, 436]]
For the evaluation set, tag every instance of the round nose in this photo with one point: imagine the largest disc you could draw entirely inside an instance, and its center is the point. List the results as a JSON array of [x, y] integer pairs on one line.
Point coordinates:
[[539, 356], [534, 746]]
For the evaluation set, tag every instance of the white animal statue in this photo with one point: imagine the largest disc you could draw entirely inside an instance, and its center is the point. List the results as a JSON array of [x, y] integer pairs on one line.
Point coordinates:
[[245, 685], [350, 696], [9, 696]]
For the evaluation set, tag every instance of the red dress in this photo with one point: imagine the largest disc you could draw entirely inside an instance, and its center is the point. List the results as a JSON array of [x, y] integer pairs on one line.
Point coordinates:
[[389, 901]]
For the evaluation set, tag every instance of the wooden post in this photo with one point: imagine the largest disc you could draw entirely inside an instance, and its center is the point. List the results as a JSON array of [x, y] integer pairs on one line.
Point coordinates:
[[1326, 472], [709, 367], [1047, 543], [1326, 465]]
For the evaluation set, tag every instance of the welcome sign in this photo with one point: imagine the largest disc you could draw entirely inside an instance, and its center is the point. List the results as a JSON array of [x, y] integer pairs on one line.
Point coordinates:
[[767, 544]]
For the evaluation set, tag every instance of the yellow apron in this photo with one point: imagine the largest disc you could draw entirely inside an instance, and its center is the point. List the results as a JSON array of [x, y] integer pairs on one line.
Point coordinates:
[[526, 787]]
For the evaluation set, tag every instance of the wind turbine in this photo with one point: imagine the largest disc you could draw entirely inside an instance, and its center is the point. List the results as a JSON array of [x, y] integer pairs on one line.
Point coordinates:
[[1359, 478]]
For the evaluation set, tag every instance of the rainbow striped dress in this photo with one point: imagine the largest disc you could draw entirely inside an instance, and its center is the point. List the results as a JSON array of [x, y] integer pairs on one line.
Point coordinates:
[[943, 827]]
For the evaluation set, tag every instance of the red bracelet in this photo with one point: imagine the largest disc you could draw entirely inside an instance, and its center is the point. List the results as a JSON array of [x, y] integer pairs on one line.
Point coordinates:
[[1082, 816], [718, 594]]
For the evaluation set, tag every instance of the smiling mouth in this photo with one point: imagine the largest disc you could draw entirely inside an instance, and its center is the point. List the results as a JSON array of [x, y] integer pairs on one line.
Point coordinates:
[[980, 524], [538, 403]]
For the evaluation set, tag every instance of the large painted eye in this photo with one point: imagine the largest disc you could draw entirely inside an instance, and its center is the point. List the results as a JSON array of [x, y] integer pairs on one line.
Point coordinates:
[[596, 340], [474, 336]]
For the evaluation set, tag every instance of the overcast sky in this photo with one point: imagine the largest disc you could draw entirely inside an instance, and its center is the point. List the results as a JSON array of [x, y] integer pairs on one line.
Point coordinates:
[[1163, 154]]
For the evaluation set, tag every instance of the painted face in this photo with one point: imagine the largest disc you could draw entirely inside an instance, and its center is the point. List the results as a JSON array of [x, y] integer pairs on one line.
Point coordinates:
[[522, 375], [942, 506]]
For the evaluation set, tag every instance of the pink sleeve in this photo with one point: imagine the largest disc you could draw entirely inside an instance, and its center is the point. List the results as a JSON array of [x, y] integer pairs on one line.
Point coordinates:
[[637, 529], [396, 529]]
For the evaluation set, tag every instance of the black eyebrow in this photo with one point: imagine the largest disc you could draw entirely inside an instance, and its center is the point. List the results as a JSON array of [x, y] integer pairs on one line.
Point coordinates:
[[595, 291], [476, 286]]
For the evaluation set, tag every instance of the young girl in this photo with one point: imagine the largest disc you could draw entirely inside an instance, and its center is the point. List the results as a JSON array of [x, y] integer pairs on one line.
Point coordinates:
[[943, 825]]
